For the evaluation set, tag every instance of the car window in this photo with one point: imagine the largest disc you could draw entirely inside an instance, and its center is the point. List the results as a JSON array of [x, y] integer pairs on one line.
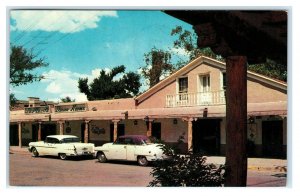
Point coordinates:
[[52, 140], [120, 141], [70, 140]]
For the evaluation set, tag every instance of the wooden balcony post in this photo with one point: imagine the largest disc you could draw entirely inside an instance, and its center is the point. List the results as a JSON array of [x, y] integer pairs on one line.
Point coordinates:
[[236, 121]]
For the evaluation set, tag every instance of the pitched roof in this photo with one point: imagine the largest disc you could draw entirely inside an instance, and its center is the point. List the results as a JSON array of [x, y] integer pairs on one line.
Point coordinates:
[[214, 63]]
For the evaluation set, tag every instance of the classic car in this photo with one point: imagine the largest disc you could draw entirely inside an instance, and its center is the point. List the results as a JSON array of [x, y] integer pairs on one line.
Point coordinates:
[[130, 148], [62, 146]]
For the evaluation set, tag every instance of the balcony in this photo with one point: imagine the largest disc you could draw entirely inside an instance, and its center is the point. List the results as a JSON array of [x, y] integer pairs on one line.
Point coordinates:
[[196, 99], [37, 110], [70, 108]]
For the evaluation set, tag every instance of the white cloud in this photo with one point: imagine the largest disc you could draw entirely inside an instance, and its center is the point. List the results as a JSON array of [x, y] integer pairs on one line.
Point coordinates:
[[65, 83], [57, 20]]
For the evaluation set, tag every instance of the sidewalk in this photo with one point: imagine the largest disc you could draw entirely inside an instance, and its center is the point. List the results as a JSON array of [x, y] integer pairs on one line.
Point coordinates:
[[260, 164]]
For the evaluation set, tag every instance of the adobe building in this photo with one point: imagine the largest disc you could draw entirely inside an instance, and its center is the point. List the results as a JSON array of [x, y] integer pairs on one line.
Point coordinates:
[[189, 103]]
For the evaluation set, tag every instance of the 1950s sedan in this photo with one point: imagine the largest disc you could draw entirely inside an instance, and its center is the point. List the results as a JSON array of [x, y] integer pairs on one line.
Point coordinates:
[[130, 148], [62, 146]]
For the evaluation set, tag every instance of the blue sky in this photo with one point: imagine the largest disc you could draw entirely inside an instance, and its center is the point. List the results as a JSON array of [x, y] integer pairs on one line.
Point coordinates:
[[80, 44]]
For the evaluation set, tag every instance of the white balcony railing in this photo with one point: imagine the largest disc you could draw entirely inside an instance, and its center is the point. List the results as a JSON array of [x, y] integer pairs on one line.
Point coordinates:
[[194, 99]]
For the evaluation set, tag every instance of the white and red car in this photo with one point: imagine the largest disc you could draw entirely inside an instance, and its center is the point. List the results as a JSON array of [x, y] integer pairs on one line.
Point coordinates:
[[62, 146], [130, 148]]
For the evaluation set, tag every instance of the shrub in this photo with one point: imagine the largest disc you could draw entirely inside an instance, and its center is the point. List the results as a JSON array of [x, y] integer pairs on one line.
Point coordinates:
[[186, 170]]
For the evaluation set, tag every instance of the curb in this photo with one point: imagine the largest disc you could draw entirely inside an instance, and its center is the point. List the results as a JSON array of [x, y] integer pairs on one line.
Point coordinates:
[[275, 169]]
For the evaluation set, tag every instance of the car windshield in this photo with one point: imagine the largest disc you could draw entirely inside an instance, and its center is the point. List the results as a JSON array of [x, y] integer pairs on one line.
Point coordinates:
[[70, 140], [149, 140]]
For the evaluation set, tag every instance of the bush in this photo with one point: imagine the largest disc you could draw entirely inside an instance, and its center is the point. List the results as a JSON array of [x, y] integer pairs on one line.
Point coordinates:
[[186, 170]]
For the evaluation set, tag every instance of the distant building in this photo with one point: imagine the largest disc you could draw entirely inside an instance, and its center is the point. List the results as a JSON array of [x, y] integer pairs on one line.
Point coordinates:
[[189, 103], [31, 102]]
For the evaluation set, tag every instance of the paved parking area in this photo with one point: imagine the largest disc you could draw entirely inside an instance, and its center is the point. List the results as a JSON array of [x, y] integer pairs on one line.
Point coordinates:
[[25, 170]]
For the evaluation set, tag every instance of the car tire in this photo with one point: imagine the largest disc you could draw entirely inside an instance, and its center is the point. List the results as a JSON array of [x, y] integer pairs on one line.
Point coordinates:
[[101, 157], [142, 161], [35, 153], [62, 156]]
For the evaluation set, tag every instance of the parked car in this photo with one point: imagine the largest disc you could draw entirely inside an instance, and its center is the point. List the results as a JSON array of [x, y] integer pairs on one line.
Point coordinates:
[[62, 146], [131, 148]]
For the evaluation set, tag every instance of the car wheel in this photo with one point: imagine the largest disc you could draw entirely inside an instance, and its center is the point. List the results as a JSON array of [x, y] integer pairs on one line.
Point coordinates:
[[35, 153], [101, 157], [142, 161], [62, 156]]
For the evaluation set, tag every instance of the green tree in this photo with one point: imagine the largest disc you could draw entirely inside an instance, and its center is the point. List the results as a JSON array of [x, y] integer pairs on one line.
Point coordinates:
[[22, 62], [67, 99], [187, 41], [107, 86], [12, 100], [157, 64], [271, 69]]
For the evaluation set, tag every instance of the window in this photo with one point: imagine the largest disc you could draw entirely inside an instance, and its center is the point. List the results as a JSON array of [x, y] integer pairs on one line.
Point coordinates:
[[205, 83], [183, 88], [183, 85], [224, 81]]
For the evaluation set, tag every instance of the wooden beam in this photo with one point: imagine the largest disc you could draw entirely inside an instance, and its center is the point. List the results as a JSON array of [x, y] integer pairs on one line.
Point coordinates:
[[236, 121]]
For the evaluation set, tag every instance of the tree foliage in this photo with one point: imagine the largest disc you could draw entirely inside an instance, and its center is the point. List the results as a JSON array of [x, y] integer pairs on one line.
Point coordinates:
[[157, 64], [186, 170], [12, 100], [187, 41], [22, 62], [270, 69], [67, 99], [107, 86]]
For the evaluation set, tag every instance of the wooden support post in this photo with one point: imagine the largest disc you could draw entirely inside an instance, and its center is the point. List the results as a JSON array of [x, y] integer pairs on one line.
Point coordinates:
[[149, 128], [115, 129], [20, 134], [190, 135], [86, 132], [236, 121], [61, 127], [40, 131]]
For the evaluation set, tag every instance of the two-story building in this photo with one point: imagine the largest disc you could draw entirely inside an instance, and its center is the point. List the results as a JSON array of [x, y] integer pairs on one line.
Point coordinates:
[[189, 103]]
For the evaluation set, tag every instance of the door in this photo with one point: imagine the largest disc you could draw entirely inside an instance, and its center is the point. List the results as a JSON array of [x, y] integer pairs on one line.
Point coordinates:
[[156, 130], [272, 138], [206, 136], [205, 96], [46, 129], [13, 135]]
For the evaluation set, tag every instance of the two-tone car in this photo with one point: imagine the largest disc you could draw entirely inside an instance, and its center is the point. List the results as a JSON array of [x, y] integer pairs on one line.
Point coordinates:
[[62, 146], [131, 148]]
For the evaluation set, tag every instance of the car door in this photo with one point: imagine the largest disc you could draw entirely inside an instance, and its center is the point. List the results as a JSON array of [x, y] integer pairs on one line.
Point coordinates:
[[130, 150], [118, 149], [51, 146]]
